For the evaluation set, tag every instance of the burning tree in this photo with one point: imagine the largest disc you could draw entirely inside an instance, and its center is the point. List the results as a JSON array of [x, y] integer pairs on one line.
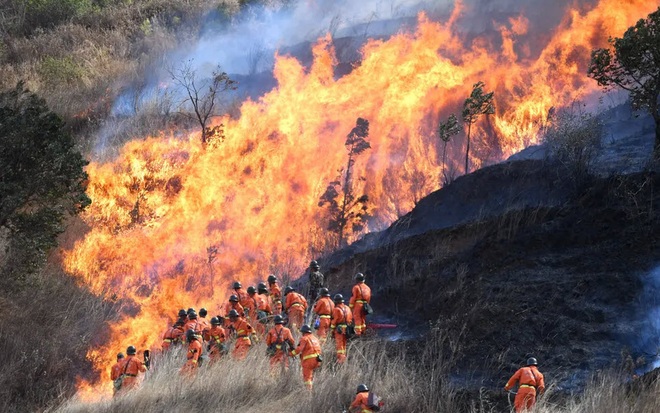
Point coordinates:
[[446, 130], [343, 205], [634, 65], [479, 103], [203, 95]]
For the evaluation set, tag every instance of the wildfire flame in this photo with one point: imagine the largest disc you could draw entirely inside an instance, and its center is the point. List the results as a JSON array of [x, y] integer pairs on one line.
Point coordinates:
[[172, 223]]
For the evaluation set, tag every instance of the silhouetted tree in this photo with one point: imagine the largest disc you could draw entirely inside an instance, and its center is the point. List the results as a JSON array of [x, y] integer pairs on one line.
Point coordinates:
[[446, 130], [343, 205], [203, 95], [633, 64], [479, 103]]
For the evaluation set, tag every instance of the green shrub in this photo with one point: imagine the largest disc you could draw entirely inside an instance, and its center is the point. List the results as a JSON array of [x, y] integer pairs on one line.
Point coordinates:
[[58, 71]]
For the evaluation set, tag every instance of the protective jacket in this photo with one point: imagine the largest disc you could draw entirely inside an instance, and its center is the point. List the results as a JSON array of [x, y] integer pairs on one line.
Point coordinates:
[[276, 297], [279, 340], [192, 356], [342, 317], [216, 337], [360, 403], [309, 349], [172, 337], [131, 366], [323, 308], [244, 332], [361, 295], [296, 305], [530, 383]]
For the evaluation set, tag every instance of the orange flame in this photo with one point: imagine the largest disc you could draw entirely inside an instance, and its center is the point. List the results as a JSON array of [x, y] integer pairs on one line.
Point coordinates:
[[172, 222]]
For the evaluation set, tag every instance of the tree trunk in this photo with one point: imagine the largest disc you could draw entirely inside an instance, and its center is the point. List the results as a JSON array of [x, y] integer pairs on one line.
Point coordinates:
[[444, 157], [467, 149]]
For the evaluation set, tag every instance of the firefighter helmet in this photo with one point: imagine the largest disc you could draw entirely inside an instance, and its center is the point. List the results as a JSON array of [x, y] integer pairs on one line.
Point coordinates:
[[338, 298], [251, 290], [236, 285], [324, 292], [288, 289], [262, 286], [182, 313], [190, 310], [314, 265], [190, 335], [233, 314], [306, 329], [192, 316], [131, 350], [532, 362], [233, 298], [215, 321], [359, 277], [272, 278], [120, 356], [361, 388], [203, 312], [278, 319]]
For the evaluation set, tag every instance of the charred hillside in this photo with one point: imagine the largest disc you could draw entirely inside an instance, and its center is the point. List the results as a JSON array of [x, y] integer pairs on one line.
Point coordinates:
[[515, 260]]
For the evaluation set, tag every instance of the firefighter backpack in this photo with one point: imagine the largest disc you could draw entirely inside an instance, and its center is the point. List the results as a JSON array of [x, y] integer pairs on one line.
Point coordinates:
[[374, 402]]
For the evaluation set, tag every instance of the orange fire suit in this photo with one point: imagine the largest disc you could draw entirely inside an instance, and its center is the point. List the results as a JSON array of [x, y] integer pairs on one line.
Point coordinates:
[[242, 295], [341, 318], [194, 352], [277, 338], [232, 306], [205, 324], [131, 366], [262, 305], [360, 296], [309, 349], [216, 338], [243, 342], [276, 297], [172, 337], [529, 380], [323, 308], [195, 325], [296, 305], [360, 403]]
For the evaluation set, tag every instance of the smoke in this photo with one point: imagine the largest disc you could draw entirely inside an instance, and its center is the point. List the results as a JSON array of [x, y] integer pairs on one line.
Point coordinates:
[[649, 335]]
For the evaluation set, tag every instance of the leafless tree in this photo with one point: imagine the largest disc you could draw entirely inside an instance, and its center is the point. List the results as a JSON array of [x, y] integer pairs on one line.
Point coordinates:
[[203, 94]]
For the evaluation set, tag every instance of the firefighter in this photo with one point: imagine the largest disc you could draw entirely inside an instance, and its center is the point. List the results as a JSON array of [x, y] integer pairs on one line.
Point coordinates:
[[316, 280], [240, 293], [183, 316], [233, 304], [295, 307], [131, 366], [115, 371], [361, 402], [264, 309], [194, 352], [361, 296], [275, 294], [173, 336], [251, 305], [245, 334], [323, 309], [279, 340], [193, 324], [216, 336], [530, 384], [203, 321], [309, 349], [342, 317]]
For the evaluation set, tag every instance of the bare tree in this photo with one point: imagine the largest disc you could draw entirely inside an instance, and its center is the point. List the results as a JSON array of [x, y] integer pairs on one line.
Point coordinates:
[[477, 104], [350, 209], [203, 94]]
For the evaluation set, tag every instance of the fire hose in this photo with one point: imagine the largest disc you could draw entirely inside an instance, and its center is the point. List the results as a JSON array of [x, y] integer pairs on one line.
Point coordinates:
[[377, 326]]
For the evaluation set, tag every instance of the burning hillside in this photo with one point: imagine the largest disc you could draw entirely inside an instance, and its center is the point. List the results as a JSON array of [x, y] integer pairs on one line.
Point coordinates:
[[173, 222]]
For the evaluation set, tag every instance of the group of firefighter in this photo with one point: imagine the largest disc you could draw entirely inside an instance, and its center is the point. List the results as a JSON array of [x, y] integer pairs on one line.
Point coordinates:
[[261, 313], [264, 313]]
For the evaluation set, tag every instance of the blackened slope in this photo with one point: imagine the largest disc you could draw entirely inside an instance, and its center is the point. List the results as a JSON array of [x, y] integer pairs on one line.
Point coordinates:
[[557, 281]]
